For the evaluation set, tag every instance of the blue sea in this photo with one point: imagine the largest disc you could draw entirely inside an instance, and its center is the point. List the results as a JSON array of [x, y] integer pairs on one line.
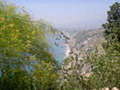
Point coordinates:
[[57, 46]]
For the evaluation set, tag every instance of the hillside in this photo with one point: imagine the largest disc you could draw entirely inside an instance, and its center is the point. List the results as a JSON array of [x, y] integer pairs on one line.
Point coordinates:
[[82, 43], [88, 38]]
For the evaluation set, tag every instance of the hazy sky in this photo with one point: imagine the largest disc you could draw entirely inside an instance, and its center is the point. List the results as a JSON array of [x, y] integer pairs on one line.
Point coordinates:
[[85, 14]]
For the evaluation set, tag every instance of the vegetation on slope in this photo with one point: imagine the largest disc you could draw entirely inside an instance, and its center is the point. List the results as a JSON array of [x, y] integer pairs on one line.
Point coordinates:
[[27, 64], [105, 67]]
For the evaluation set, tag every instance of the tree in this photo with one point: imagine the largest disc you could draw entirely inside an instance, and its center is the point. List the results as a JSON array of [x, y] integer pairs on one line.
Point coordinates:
[[23, 47], [106, 68], [112, 27]]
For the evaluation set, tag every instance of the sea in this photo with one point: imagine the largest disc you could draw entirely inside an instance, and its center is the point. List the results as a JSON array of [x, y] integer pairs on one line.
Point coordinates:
[[59, 47]]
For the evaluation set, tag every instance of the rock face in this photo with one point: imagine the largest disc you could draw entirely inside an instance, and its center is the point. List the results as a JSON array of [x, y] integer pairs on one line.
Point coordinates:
[[81, 45]]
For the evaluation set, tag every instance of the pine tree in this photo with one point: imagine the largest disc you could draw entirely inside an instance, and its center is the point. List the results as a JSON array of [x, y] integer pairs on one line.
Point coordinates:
[[112, 27]]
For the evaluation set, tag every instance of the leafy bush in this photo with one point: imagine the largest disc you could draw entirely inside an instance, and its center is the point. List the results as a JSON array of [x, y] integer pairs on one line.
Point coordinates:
[[25, 62]]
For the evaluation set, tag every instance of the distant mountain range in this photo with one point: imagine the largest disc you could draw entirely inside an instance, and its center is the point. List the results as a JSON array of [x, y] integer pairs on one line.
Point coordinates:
[[89, 38]]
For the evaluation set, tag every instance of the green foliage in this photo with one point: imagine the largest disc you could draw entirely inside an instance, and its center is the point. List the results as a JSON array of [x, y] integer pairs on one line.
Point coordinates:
[[25, 62], [45, 76], [106, 68], [112, 27]]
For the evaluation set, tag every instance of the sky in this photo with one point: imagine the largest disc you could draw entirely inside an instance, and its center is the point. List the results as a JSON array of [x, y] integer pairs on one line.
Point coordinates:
[[83, 14]]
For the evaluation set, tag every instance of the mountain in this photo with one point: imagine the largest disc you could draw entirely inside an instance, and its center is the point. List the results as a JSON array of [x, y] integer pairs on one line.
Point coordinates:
[[81, 44], [89, 38]]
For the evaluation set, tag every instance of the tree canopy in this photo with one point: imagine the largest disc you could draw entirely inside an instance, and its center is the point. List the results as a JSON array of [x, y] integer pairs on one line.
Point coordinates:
[[25, 61]]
